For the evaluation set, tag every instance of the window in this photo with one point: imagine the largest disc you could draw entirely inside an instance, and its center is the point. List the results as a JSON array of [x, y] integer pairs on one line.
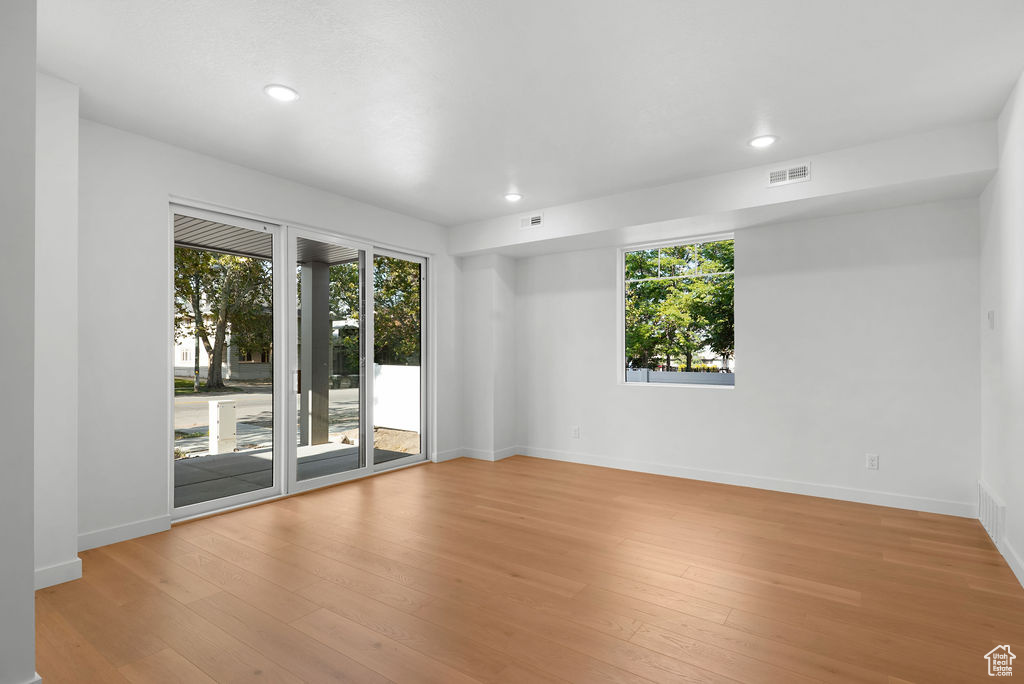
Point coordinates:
[[678, 313]]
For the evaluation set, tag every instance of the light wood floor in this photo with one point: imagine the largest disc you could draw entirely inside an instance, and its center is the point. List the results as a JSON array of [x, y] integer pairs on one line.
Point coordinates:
[[537, 571]]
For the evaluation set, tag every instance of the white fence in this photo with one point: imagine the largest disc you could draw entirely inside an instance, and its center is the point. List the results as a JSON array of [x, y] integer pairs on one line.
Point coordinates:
[[396, 402], [396, 397], [680, 377], [241, 371]]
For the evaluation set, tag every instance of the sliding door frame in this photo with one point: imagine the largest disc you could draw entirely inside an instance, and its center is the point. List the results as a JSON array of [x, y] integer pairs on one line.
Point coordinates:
[[278, 233], [296, 485], [285, 365], [424, 453]]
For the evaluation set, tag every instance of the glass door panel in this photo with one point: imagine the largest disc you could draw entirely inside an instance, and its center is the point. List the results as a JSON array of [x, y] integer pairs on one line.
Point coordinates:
[[330, 293], [351, 321], [397, 359], [223, 425]]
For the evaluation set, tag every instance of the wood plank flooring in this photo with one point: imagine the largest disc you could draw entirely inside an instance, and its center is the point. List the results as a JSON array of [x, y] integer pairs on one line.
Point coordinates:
[[528, 570]]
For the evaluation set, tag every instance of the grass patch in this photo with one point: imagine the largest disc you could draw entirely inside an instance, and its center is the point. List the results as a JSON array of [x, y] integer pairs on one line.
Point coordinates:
[[181, 434], [184, 386]]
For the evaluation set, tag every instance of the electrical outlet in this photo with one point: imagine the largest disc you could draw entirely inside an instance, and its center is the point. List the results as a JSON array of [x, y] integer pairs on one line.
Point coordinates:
[[871, 461], [575, 432]]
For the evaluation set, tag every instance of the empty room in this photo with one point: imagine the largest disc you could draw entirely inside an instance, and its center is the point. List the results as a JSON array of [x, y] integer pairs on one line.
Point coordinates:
[[457, 341]]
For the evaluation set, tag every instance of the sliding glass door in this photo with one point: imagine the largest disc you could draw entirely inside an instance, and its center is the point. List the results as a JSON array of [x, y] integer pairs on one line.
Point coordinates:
[[398, 343], [330, 293], [354, 416], [224, 334], [298, 360]]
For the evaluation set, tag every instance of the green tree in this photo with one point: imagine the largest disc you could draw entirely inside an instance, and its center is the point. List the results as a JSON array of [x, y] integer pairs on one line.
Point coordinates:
[[642, 331], [344, 291], [679, 300], [345, 302], [683, 325], [215, 292], [714, 297], [191, 269], [396, 313], [397, 304]]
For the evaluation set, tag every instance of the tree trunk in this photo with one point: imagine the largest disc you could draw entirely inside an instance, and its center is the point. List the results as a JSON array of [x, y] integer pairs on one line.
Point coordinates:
[[214, 377], [689, 360], [209, 353]]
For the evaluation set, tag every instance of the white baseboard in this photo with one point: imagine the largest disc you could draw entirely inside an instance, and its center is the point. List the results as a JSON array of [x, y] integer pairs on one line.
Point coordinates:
[[1013, 559], [119, 533], [59, 573], [505, 453], [482, 455], [914, 503], [447, 455]]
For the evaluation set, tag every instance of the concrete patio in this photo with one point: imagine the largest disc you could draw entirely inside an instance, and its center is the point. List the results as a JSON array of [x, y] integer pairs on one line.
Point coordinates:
[[215, 476], [203, 476]]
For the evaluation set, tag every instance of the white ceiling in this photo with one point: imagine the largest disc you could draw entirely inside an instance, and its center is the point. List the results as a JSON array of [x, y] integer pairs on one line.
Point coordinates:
[[436, 108]]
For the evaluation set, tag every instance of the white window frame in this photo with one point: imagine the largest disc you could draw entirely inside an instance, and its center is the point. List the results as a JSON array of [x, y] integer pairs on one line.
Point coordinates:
[[425, 431], [620, 308], [294, 484], [277, 488]]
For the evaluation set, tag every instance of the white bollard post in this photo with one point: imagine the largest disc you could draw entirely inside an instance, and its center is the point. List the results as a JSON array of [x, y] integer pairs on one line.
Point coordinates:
[[222, 426]]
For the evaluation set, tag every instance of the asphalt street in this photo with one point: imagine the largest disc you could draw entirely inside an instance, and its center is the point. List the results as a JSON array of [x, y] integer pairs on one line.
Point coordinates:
[[254, 407]]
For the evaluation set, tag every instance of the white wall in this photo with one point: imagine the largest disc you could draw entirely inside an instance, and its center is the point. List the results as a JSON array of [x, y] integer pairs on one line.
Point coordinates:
[[486, 292], [475, 292], [126, 182], [17, 311], [56, 299], [504, 357], [854, 334], [1002, 347]]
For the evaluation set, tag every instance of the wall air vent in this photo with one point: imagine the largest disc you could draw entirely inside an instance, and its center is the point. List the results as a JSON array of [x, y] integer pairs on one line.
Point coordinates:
[[531, 221], [794, 174]]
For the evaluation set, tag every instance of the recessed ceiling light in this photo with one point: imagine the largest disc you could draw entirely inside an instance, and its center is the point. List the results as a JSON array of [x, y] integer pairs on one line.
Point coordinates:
[[513, 197], [763, 141], [281, 93]]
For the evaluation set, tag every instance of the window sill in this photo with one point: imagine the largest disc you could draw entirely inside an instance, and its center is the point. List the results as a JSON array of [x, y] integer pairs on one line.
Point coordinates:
[[692, 378], [700, 385]]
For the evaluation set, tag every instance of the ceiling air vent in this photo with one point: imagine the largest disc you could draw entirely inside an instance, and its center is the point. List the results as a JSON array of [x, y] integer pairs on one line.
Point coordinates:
[[532, 221], [793, 174]]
